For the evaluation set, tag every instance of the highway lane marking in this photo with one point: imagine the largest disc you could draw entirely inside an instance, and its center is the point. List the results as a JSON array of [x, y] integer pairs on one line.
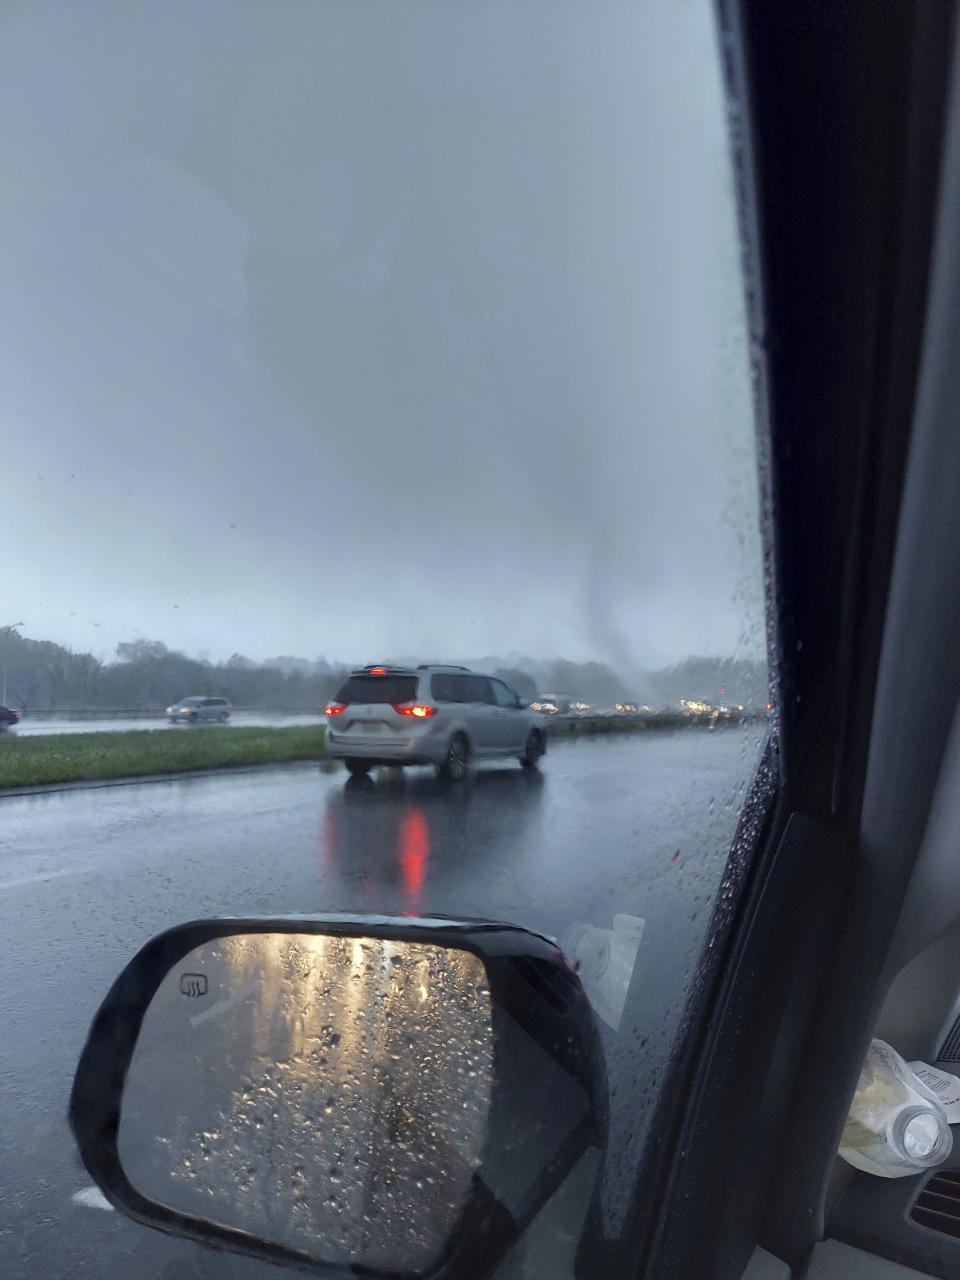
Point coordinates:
[[41, 876], [93, 1198], [228, 1002]]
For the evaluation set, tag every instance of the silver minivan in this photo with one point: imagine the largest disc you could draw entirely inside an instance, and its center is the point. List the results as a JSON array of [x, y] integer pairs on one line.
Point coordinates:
[[439, 715], [196, 708]]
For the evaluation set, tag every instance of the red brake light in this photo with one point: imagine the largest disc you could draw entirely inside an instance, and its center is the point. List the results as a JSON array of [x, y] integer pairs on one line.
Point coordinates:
[[414, 709], [378, 671], [334, 708]]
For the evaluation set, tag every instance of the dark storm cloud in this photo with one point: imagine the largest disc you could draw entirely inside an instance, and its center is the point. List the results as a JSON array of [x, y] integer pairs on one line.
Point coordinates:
[[354, 328]]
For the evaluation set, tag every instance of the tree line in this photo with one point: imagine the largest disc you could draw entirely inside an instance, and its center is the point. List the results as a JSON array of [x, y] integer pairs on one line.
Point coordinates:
[[146, 675]]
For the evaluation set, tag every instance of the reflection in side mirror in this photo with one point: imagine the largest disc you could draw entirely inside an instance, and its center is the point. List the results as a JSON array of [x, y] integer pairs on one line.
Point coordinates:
[[388, 1095], [305, 1092]]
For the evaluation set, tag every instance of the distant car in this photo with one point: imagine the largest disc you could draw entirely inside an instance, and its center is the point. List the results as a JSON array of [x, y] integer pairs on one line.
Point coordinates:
[[444, 716], [8, 717], [551, 704], [194, 709]]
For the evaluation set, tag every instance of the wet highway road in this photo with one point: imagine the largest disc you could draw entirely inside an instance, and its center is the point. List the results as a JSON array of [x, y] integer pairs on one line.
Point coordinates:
[[638, 824]]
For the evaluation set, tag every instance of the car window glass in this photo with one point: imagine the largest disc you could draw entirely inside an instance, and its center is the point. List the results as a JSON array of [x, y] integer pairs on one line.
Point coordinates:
[[478, 689], [464, 687], [445, 688], [378, 689], [503, 696], [339, 256]]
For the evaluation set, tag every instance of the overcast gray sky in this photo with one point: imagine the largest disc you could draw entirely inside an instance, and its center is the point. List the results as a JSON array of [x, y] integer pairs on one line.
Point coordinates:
[[373, 326]]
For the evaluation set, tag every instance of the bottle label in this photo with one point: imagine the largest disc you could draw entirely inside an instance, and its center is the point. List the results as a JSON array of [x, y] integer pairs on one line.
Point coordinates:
[[944, 1087]]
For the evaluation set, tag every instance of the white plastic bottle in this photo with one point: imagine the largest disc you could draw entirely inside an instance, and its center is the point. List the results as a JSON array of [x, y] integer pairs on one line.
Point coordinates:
[[604, 959], [896, 1126]]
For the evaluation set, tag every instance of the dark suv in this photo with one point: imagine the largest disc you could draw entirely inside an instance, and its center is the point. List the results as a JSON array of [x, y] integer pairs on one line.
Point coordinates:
[[444, 716]]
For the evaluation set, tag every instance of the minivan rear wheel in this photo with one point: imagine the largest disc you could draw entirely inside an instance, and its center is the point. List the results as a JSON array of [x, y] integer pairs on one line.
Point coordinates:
[[533, 750], [357, 767], [454, 767]]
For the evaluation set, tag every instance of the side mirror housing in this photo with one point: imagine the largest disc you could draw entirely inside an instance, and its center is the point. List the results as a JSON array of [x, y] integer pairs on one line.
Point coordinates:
[[379, 1094]]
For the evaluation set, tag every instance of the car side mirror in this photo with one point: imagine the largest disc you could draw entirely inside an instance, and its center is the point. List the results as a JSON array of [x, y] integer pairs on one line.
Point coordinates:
[[523, 703], [377, 1094]]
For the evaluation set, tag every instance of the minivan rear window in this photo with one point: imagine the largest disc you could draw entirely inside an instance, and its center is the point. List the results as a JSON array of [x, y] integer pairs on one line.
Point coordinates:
[[378, 689]]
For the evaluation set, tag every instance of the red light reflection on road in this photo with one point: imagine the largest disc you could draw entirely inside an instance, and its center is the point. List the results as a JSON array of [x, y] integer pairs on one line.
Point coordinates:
[[326, 852], [326, 845], [414, 852]]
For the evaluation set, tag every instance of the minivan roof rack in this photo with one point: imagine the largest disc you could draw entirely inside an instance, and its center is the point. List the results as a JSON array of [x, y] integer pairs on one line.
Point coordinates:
[[440, 666]]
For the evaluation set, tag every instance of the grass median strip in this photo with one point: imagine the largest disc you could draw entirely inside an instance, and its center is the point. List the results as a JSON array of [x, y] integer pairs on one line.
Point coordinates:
[[78, 757]]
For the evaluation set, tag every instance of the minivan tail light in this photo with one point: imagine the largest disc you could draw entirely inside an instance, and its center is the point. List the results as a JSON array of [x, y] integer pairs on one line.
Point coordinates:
[[417, 709], [335, 708]]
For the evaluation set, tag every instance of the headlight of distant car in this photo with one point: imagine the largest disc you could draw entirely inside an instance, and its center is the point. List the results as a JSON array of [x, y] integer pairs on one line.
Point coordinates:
[[185, 710]]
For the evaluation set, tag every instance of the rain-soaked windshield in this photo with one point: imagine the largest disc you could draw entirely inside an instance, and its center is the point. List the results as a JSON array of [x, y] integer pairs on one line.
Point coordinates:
[[352, 355]]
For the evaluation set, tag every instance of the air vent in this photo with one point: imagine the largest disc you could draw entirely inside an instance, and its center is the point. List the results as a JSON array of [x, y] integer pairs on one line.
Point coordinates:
[[938, 1204], [951, 1049]]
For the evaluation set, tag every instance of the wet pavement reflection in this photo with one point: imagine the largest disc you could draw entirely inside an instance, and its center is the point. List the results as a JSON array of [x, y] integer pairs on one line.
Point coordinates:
[[387, 841]]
